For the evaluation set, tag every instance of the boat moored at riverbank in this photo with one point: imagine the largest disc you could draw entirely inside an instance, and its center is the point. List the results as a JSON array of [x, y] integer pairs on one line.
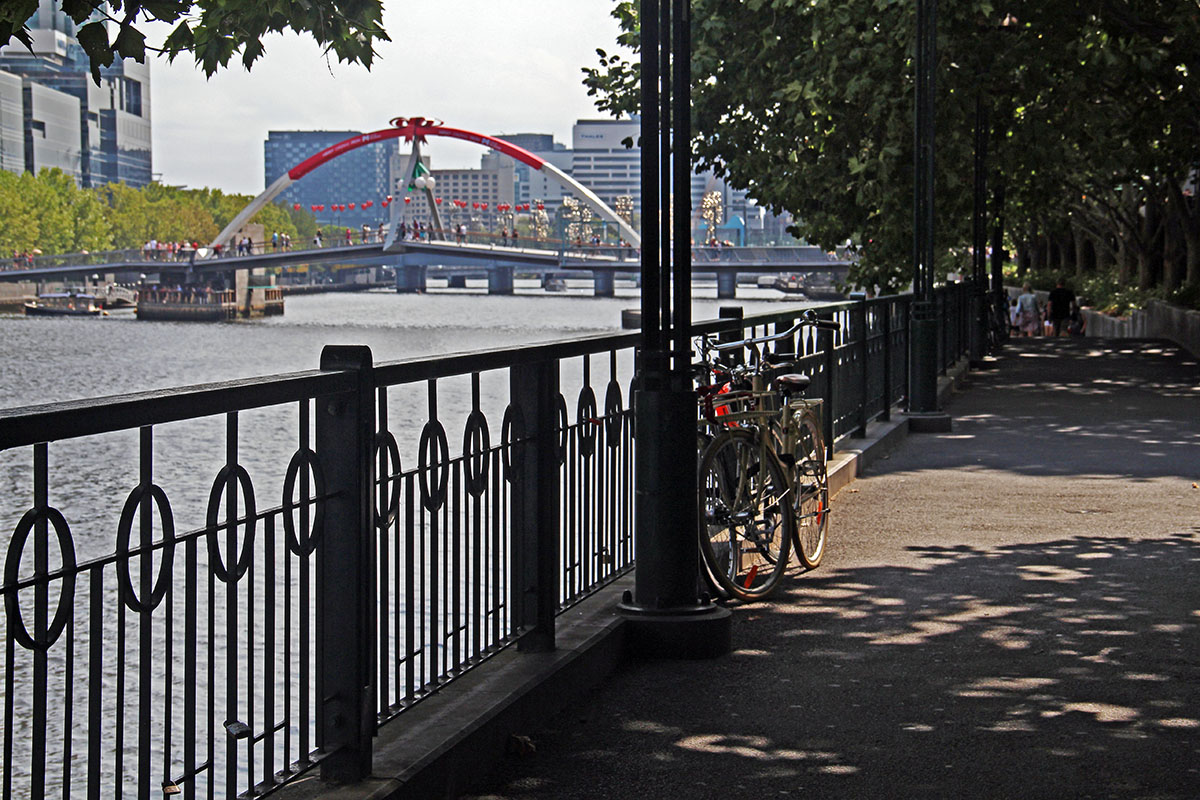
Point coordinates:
[[63, 304]]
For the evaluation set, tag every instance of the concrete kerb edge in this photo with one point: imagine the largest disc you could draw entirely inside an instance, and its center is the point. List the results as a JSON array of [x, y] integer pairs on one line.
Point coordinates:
[[447, 743]]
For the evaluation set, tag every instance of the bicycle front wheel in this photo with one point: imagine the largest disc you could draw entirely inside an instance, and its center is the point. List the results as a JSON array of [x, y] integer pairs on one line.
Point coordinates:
[[811, 480], [745, 516]]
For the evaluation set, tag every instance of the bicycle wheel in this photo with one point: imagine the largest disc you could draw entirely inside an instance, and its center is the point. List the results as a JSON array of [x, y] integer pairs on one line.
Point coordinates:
[[811, 480], [745, 516]]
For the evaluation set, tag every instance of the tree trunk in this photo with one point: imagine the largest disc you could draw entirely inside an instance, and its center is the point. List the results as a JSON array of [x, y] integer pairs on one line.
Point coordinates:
[[1149, 255], [1187, 214], [1081, 253]]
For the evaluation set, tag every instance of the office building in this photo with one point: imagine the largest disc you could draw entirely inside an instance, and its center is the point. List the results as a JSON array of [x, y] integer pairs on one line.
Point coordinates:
[[12, 124], [113, 128], [360, 175], [601, 161], [51, 126]]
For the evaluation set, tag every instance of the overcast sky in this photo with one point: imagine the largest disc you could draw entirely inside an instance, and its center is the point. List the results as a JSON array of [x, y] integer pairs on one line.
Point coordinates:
[[505, 66]]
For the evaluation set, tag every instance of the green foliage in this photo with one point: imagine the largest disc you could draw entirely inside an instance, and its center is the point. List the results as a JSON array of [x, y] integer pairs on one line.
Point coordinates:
[[48, 212], [213, 31], [809, 106]]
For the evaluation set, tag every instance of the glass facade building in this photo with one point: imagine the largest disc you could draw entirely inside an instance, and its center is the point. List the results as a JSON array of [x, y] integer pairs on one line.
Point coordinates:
[[359, 175], [114, 123], [51, 130]]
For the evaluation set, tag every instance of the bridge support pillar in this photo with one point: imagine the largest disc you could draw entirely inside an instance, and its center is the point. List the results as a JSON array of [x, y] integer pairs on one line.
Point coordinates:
[[605, 282], [726, 285], [410, 278], [500, 279]]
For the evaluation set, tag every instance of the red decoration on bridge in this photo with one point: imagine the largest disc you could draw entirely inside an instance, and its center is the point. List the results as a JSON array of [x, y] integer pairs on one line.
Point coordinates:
[[410, 128]]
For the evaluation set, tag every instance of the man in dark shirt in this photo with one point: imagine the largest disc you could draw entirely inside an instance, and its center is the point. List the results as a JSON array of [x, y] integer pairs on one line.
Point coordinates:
[[1058, 309]]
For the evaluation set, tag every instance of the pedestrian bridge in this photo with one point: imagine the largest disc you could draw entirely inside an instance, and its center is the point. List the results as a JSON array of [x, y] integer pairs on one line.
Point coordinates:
[[480, 253]]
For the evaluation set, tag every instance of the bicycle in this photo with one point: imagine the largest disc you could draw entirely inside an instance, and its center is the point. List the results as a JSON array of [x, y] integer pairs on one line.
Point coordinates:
[[764, 487]]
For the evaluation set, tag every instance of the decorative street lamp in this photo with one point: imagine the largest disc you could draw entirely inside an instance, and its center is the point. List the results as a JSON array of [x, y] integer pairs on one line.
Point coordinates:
[[665, 613], [924, 414]]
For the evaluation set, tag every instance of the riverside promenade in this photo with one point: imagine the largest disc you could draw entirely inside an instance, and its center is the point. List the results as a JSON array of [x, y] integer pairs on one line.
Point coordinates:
[[1007, 610]]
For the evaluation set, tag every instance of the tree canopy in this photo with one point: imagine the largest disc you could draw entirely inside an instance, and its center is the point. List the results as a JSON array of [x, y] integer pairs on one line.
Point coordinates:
[[1094, 116], [213, 31], [49, 213]]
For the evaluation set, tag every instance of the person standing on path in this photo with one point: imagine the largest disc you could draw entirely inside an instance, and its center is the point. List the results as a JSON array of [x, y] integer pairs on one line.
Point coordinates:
[[1029, 310], [1059, 307]]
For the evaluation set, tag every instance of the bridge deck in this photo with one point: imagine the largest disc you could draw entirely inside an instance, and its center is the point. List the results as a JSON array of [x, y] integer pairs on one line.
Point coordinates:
[[1007, 610]]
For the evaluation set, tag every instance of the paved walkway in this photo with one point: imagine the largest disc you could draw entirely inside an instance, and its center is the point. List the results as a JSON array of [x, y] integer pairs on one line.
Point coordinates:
[[1006, 611]]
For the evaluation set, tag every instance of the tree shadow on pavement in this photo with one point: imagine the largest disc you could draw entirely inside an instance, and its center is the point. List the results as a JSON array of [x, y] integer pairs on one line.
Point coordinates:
[[1068, 668]]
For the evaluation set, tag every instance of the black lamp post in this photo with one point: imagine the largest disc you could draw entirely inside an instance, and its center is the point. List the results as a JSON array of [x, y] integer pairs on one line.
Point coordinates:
[[924, 414], [666, 615], [979, 303]]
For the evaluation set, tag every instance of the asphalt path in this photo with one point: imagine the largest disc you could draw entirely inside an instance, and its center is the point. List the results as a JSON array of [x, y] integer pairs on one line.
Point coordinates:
[[1009, 610]]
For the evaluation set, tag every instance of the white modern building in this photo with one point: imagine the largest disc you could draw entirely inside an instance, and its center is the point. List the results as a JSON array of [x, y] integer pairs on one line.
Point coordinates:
[[12, 124]]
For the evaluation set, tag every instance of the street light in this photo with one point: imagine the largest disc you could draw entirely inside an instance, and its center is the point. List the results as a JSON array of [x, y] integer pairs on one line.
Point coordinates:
[[924, 414]]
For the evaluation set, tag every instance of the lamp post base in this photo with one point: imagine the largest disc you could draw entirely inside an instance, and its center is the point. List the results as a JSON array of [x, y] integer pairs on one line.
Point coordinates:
[[682, 632], [928, 422]]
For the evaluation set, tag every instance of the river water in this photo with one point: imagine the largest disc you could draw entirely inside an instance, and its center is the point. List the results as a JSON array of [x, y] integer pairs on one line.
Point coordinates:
[[46, 360]]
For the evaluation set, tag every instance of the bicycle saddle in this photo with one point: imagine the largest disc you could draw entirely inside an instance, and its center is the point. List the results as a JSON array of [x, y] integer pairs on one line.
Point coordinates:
[[791, 382]]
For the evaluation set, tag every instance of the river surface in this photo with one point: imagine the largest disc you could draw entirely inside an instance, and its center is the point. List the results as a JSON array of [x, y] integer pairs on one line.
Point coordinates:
[[45, 360], [48, 360]]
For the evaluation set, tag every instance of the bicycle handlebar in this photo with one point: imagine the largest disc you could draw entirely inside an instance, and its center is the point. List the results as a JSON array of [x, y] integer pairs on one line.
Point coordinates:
[[809, 319]]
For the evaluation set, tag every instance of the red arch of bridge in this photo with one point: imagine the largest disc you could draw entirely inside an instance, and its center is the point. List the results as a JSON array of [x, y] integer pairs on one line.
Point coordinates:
[[418, 129], [409, 129]]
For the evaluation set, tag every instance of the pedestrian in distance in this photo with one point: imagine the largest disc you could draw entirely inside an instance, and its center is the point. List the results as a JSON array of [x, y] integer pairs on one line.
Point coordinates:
[[1030, 311], [1059, 307]]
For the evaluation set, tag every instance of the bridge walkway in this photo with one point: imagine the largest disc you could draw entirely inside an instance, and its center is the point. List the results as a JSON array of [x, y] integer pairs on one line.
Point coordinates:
[[1006, 610]]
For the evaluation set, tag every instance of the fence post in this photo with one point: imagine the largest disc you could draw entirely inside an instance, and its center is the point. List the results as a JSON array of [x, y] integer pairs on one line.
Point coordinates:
[[345, 603], [826, 338], [859, 314], [535, 504], [733, 335], [885, 322]]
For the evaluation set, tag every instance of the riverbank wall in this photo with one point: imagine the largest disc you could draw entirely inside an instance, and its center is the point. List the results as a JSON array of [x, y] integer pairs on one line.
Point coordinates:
[[13, 296]]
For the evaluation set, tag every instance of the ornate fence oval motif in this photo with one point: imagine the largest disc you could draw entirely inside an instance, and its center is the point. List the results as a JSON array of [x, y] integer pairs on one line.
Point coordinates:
[[512, 430], [242, 562], [563, 424], [476, 443], [433, 464], [124, 528], [387, 504], [585, 415], [303, 459], [12, 562], [613, 415]]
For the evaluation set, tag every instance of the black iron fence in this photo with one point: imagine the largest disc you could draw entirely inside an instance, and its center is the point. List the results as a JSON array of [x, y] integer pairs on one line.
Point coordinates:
[[208, 618]]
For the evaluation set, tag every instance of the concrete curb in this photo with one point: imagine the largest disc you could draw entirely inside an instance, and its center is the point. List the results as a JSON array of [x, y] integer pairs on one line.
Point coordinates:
[[448, 743]]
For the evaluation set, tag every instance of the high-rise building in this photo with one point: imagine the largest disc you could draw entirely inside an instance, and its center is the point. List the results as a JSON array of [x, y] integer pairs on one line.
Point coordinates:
[[12, 124], [362, 174], [51, 130], [114, 117], [602, 162]]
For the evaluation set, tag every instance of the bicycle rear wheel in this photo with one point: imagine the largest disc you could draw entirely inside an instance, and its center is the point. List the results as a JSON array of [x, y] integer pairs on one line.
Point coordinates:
[[811, 480], [745, 516]]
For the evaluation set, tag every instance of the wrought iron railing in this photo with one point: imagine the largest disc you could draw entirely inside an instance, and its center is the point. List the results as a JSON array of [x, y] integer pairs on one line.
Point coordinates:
[[191, 603]]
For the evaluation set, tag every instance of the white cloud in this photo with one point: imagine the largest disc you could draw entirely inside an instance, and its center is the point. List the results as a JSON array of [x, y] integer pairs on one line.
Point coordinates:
[[507, 66]]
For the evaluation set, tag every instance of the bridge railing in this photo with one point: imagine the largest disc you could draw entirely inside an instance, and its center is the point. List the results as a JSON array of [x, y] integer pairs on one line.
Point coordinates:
[[182, 253], [216, 588]]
